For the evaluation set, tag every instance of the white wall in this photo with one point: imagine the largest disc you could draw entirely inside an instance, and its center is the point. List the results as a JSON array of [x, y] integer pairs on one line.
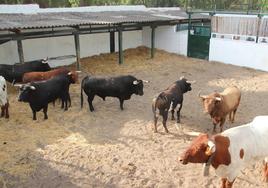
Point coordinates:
[[241, 53], [8, 53], [91, 44], [166, 38]]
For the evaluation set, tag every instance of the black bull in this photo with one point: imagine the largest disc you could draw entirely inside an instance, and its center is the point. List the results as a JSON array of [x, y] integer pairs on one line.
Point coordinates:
[[14, 73], [121, 87], [39, 94], [169, 99]]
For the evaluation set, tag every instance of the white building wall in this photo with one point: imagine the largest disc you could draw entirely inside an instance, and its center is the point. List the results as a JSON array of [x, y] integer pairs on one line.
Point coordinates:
[[90, 44], [131, 39], [241, 53], [9, 53], [167, 38]]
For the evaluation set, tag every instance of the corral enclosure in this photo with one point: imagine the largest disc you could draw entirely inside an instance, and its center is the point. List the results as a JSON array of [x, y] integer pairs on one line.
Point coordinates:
[[114, 148]]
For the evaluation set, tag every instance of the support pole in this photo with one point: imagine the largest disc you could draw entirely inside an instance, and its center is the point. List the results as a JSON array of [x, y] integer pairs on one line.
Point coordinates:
[[258, 28], [20, 51], [189, 29], [153, 41], [112, 43], [120, 45], [77, 50]]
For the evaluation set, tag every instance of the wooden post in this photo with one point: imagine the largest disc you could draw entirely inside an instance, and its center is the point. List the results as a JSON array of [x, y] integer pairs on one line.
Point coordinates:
[[77, 50], [120, 46], [20, 51], [153, 41], [112, 43]]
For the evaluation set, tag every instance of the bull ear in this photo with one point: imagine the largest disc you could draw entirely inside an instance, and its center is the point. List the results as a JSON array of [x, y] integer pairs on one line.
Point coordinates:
[[135, 82], [32, 88], [211, 148]]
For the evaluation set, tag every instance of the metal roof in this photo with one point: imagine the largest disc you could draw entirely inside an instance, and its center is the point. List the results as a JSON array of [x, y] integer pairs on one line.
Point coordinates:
[[65, 19]]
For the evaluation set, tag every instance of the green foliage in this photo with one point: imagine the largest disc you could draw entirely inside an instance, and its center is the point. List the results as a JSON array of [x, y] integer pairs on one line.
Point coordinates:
[[74, 3], [242, 5]]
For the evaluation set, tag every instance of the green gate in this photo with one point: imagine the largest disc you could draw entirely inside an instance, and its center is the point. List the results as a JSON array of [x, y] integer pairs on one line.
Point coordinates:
[[198, 41]]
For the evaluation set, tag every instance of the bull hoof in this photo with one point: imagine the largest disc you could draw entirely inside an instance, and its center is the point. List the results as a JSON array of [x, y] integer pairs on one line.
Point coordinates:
[[172, 118], [7, 117]]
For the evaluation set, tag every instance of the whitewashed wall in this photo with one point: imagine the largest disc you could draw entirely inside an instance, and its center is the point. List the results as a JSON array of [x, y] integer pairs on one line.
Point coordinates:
[[241, 53], [166, 38], [91, 44]]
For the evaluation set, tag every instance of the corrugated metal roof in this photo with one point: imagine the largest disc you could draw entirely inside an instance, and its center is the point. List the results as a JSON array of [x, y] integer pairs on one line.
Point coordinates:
[[64, 19]]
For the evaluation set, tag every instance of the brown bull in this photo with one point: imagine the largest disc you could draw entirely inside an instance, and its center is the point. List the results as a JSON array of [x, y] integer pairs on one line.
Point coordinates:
[[40, 76], [219, 105]]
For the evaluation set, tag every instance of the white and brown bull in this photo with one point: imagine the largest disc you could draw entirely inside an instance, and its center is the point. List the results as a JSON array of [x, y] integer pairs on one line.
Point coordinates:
[[231, 151], [3, 98], [219, 105]]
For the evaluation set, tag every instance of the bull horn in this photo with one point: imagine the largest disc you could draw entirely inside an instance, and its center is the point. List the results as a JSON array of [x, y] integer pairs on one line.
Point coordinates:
[[181, 77], [145, 81], [218, 98], [18, 85], [78, 71], [45, 60], [191, 82], [32, 88], [69, 73], [193, 133], [201, 96], [135, 82]]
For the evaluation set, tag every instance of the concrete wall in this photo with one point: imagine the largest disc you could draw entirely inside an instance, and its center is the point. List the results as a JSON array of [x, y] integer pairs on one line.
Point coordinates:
[[241, 53], [166, 38]]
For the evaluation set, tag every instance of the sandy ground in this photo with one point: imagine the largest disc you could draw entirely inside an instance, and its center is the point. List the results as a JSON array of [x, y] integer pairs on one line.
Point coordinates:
[[114, 148]]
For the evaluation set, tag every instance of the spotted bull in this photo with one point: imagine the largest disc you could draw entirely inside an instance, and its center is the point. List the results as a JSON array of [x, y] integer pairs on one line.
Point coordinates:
[[231, 151], [3, 98]]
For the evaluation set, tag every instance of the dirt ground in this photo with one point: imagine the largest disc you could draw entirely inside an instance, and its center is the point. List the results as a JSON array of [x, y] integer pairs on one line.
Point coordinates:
[[114, 148]]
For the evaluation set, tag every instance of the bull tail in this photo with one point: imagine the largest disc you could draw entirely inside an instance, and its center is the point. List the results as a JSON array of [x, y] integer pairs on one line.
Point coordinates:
[[154, 106], [81, 97]]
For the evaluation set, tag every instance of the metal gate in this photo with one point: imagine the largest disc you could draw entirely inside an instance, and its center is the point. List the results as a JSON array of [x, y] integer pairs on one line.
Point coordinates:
[[198, 41]]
